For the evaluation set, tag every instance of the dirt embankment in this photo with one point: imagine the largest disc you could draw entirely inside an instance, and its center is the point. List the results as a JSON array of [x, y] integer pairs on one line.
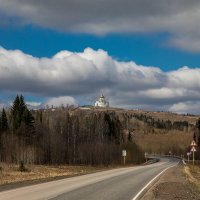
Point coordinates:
[[174, 184]]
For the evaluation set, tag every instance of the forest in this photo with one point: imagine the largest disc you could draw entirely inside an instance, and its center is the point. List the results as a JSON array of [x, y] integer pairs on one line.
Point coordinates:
[[64, 136]]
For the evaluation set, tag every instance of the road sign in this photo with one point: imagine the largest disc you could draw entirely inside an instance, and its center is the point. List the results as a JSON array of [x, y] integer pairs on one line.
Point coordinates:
[[193, 144], [193, 149], [124, 155]]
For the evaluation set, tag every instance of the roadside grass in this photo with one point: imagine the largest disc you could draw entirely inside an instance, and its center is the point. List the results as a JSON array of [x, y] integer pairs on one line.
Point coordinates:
[[192, 174], [10, 173]]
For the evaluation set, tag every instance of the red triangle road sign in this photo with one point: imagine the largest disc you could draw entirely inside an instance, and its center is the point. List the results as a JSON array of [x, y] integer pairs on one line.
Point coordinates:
[[193, 144], [193, 149]]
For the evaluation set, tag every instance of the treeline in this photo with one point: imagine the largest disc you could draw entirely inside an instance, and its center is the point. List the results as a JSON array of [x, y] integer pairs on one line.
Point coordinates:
[[64, 136], [196, 136], [17, 131], [162, 124]]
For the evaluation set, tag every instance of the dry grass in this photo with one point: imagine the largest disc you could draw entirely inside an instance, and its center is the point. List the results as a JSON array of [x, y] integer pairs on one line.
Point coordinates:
[[168, 116], [156, 115], [10, 173], [193, 174], [174, 141], [154, 140]]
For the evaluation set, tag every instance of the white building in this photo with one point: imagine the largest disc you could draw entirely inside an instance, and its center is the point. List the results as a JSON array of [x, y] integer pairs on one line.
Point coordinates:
[[101, 102]]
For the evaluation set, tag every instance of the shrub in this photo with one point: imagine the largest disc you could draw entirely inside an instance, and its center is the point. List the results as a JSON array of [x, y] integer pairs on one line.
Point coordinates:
[[22, 167]]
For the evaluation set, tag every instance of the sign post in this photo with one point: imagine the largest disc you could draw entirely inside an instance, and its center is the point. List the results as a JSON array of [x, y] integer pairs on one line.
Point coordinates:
[[124, 155], [188, 155], [193, 149], [145, 155]]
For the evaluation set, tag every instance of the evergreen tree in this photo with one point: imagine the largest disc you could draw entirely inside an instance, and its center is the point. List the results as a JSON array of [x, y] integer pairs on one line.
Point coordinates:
[[22, 106], [0, 127], [20, 113], [15, 113], [28, 118], [198, 131], [15, 107], [4, 121]]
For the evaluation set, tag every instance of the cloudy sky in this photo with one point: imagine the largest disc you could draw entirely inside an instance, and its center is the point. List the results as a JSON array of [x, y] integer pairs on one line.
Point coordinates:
[[142, 54]]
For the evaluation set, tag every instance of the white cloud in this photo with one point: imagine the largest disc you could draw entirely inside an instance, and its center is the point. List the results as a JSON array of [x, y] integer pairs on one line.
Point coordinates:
[[83, 75], [185, 77], [179, 18], [73, 73], [61, 101], [33, 104], [186, 107]]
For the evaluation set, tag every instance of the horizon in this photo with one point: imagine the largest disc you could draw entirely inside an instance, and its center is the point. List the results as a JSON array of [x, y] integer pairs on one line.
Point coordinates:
[[44, 106]]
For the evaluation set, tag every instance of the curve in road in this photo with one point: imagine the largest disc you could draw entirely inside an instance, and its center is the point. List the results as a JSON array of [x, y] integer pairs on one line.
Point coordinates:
[[117, 184]]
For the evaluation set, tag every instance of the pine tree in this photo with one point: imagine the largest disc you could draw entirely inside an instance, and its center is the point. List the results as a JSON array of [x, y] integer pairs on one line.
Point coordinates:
[[15, 107], [15, 113], [0, 127], [198, 131], [4, 121], [20, 113], [22, 106], [28, 118]]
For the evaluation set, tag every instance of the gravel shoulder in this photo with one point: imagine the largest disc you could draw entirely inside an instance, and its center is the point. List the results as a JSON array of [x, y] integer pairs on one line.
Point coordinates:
[[172, 185]]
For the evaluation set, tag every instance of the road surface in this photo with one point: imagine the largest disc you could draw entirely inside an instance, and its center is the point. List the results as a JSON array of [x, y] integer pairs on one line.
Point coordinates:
[[117, 184]]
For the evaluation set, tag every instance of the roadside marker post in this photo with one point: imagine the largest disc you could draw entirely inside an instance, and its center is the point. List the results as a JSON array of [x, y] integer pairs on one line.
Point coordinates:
[[188, 155], [145, 155], [124, 155]]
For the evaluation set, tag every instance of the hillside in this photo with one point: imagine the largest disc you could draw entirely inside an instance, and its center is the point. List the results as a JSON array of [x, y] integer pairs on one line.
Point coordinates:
[[157, 132], [91, 136], [156, 115]]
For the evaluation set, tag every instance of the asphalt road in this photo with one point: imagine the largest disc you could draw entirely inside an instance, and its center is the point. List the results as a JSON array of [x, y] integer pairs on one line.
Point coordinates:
[[117, 184]]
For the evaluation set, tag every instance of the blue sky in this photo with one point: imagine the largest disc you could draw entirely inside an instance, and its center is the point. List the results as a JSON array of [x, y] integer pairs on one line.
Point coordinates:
[[145, 49], [141, 54]]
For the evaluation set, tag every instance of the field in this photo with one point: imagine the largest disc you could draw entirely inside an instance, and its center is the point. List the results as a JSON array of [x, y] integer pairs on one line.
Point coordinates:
[[11, 174], [193, 175]]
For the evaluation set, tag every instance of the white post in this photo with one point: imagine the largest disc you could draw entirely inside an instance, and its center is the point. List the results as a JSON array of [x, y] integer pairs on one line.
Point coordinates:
[[193, 157], [188, 155], [124, 155]]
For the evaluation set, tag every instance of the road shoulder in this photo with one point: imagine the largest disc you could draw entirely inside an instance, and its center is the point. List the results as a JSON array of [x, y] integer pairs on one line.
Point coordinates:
[[172, 185]]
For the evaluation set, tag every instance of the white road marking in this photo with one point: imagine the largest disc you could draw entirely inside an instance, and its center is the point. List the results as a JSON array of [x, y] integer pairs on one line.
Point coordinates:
[[140, 192]]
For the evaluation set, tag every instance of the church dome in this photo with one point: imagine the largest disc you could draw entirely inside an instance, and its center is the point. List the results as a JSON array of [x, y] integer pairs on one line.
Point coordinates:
[[101, 102]]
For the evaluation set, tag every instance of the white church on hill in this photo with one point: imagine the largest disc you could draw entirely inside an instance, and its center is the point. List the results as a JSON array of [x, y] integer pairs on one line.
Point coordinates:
[[101, 102]]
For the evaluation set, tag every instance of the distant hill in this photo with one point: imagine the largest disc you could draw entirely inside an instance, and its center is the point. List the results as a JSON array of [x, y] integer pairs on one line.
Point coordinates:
[[155, 132]]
